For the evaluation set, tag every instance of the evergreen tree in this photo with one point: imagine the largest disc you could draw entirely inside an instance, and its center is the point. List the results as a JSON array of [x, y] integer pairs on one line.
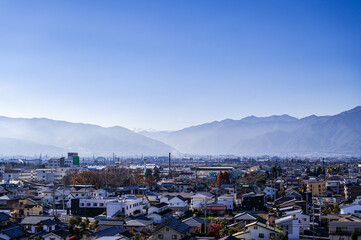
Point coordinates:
[[353, 236]]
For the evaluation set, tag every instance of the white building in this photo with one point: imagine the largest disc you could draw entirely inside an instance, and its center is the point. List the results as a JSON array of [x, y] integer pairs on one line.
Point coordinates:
[[227, 200], [258, 231], [175, 201], [303, 219], [291, 225], [201, 198], [45, 177], [9, 176], [126, 205]]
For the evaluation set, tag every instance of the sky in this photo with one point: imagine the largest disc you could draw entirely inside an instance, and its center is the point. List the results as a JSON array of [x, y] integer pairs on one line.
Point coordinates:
[[167, 65]]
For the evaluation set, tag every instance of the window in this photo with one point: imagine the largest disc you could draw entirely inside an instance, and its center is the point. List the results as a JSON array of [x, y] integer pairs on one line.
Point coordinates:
[[82, 204], [341, 229], [167, 229], [174, 236], [261, 235], [160, 236], [101, 204], [95, 204], [304, 219], [357, 211], [358, 230], [255, 227], [88, 204]]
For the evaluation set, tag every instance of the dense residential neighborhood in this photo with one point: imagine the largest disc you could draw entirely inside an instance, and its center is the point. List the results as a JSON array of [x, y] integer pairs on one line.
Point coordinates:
[[165, 198]]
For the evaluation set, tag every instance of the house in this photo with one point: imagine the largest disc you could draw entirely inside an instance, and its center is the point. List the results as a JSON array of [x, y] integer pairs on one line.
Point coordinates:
[[158, 207], [291, 225], [303, 219], [161, 217], [172, 229], [258, 231], [195, 222], [270, 192], [111, 232], [10, 230], [26, 207], [139, 224], [107, 223], [253, 201], [56, 235], [247, 218], [201, 198], [32, 224], [177, 203], [343, 227], [227, 200]]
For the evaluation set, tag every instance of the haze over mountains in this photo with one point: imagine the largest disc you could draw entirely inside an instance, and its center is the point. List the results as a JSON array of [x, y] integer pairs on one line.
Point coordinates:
[[274, 135], [39, 135]]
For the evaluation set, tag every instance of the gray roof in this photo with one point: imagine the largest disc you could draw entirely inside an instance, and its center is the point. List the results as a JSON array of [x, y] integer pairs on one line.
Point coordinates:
[[32, 220], [176, 225]]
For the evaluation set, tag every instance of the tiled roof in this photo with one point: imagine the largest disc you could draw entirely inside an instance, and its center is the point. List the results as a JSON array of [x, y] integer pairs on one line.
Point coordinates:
[[4, 216], [49, 222], [176, 225], [112, 231], [15, 232]]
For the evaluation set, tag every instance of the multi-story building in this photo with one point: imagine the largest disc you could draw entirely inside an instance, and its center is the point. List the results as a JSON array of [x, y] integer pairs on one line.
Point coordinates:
[[89, 207], [126, 205], [317, 188], [26, 207], [56, 162], [352, 191], [343, 227]]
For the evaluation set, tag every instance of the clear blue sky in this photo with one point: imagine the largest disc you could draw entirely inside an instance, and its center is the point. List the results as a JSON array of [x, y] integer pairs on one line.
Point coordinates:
[[172, 64]]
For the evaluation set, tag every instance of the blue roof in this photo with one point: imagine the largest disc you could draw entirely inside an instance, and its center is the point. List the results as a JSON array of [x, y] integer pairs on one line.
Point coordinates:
[[111, 231], [15, 232], [4, 216], [49, 222], [177, 225]]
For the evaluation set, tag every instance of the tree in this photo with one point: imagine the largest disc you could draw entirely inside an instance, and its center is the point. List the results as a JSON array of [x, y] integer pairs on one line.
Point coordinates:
[[266, 175], [261, 181], [82, 225], [336, 209], [74, 221], [231, 231], [156, 173], [148, 172], [203, 228], [214, 230], [353, 236], [284, 236]]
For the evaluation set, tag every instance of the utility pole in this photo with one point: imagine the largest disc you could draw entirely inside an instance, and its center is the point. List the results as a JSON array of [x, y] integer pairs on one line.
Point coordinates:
[[205, 217]]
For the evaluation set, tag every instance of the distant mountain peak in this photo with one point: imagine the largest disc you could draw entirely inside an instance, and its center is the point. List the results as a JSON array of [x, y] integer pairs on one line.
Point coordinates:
[[282, 118]]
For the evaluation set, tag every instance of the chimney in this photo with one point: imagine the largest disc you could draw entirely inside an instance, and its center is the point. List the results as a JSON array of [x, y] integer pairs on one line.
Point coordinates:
[[169, 171]]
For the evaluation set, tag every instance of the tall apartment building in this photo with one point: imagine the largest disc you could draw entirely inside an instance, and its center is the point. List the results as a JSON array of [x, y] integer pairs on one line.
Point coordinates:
[[317, 188]]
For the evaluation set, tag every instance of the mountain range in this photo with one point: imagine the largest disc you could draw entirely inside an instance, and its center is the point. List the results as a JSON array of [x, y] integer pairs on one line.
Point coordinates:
[[275, 135]]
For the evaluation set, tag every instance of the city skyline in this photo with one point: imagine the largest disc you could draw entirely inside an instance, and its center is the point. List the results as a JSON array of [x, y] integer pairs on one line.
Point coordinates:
[[170, 65]]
